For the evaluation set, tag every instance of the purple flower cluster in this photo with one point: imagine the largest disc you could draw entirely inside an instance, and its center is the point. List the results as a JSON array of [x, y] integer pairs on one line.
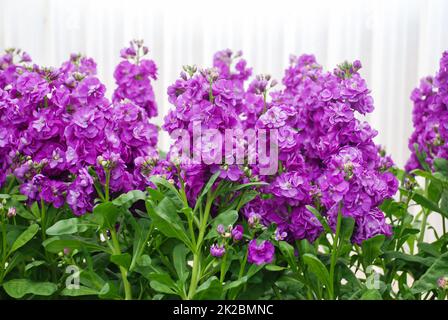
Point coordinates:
[[210, 99], [260, 252], [327, 156], [430, 117], [133, 77], [56, 123]]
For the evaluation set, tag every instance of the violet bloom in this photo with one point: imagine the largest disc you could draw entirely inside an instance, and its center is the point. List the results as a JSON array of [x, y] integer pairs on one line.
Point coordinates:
[[260, 253], [237, 233], [430, 117], [217, 250]]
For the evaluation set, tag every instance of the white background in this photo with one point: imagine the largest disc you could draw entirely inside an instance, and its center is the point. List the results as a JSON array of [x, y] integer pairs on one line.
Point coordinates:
[[398, 41]]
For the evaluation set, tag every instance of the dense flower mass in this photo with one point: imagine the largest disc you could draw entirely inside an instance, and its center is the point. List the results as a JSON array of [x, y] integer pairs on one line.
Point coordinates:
[[56, 123], [327, 156], [207, 99], [133, 77], [430, 118]]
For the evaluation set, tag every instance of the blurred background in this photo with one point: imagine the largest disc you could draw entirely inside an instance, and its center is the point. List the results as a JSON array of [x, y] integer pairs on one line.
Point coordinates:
[[398, 41]]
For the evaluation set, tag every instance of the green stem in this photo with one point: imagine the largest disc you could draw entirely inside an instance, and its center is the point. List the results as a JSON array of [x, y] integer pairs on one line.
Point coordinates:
[[106, 187], [194, 275], [99, 192], [234, 292], [423, 226], [42, 219], [223, 268], [4, 246], [334, 254], [264, 101], [425, 217], [10, 185], [197, 254], [210, 93], [185, 201], [123, 271]]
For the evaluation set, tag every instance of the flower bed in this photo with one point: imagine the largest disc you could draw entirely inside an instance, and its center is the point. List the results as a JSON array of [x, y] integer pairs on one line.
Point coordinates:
[[264, 193]]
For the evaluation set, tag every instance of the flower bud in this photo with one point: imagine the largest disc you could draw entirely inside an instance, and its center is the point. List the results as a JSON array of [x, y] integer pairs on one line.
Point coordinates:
[[443, 283], [12, 211], [237, 233], [220, 229], [280, 235], [254, 220]]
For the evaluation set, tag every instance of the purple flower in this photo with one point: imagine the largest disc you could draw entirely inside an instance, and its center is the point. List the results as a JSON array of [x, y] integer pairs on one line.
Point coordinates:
[[54, 192], [217, 250], [291, 185], [260, 253], [90, 90], [430, 118], [133, 78], [237, 233], [327, 156]]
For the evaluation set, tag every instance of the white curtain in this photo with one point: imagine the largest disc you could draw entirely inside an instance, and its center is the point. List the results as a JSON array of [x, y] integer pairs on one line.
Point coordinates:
[[398, 41]]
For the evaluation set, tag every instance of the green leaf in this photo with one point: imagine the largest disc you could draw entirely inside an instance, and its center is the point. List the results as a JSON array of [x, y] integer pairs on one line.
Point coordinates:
[[67, 226], [425, 202], [428, 281], [444, 201], [393, 208], [59, 243], [248, 185], [160, 181], [121, 260], [209, 290], [26, 236], [441, 165], [209, 184], [371, 249], [409, 258], [165, 217], [347, 225], [19, 197], [180, 261], [17, 288], [35, 209], [162, 283], [429, 248], [435, 190], [318, 268], [273, 267], [246, 197], [106, 214], [421, 156], [128, 199], [81, 291], [371, 294], [34, 264], [142, 231], [288, 251]]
